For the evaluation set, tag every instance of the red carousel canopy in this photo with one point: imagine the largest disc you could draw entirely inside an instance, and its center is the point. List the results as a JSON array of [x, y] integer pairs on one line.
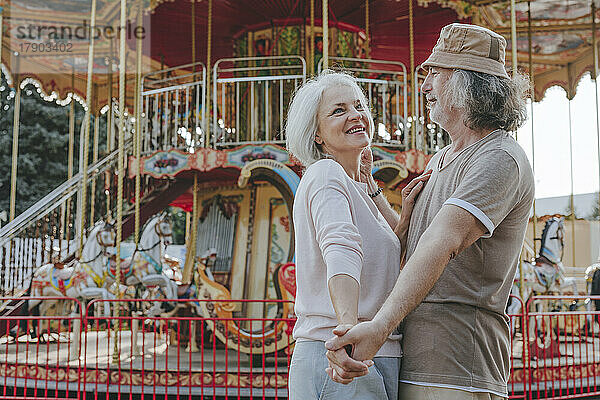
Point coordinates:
[[561, 34]]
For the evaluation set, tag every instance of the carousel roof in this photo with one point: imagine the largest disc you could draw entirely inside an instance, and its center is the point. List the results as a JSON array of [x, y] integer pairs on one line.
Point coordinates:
[[561, 35]]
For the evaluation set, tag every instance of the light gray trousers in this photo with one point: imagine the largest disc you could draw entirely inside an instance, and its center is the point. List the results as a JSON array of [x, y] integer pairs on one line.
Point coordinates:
[[309, 381]]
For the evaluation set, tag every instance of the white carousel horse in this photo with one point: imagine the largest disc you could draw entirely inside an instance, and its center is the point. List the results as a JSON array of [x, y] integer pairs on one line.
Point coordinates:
[[543, 276], [145, 267], [83, 280], [592, 278], [546, 274]]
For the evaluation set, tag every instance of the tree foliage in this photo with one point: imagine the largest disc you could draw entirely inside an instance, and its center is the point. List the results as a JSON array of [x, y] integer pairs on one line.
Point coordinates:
[[43, 145]]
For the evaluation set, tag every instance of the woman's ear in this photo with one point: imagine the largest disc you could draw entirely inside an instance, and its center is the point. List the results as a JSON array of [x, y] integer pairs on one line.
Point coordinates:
[[318, 139]]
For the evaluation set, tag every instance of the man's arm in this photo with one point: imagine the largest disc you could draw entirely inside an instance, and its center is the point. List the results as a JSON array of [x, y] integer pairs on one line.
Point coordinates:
[[452, 230]]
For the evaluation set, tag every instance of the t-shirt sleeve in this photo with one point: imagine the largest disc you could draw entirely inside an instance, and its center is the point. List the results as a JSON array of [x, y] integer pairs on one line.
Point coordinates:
[[489, 189], [337, 235]]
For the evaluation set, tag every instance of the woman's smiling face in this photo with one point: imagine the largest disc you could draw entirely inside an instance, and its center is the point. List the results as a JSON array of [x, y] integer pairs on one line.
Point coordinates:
[[343, 121]]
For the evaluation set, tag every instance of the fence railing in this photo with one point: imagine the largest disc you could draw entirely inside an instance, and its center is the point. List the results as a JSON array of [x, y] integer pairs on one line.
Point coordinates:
[[555, 350], [174, 112], [250, 97], [385, 84]]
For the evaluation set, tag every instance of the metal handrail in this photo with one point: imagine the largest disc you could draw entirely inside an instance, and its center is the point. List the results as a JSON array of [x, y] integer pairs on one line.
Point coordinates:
[[57, 197], [277, 72]]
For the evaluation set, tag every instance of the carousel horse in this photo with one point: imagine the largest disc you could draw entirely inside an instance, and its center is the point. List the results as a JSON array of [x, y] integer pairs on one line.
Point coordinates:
[[144, 269], [592, 278], [272, 336], [546, 274], [83, 279]]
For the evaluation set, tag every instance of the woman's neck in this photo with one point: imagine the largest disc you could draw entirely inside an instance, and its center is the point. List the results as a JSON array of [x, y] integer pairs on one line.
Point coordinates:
[[350, 162]]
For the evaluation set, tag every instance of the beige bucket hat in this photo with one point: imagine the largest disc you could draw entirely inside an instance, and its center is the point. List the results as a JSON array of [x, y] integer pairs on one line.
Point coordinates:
[[469, 47]]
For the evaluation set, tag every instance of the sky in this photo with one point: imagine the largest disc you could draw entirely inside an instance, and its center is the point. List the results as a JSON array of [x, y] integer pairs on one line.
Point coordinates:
[[551, 140]]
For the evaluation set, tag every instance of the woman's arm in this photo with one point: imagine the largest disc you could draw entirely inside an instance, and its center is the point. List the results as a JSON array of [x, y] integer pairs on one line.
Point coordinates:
[[344, 292], [399, 223]]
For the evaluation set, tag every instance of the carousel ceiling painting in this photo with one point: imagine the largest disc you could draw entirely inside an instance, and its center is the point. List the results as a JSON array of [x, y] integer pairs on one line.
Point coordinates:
[[560, 31]]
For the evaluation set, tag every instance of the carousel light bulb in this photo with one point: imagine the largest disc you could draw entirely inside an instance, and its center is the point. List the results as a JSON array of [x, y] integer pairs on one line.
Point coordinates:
[[381, 131]]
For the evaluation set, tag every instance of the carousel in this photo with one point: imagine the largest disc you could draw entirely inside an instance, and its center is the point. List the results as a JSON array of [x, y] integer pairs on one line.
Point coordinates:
[[193, 95]]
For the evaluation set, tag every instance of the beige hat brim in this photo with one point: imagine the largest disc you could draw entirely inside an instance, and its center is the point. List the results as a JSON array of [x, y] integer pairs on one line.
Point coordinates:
[[465, 61]]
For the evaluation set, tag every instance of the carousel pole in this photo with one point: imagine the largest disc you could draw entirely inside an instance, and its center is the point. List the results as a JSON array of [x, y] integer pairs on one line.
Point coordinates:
[[193, 235], [595, 77], [413, 98], [532, 83], [190, 258], [368, 52], [15, 147], [513, 37], [325, 21], [94, 161], [70, 155], [193, 36], [86, 139], [513, 59], [121, 169], [138, 126], [1, 31], [110, 137], [208, 73], [311, 45], [571, 199]]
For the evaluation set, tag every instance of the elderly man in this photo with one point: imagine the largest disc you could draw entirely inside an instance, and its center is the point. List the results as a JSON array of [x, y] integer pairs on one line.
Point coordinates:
[[465, 234]]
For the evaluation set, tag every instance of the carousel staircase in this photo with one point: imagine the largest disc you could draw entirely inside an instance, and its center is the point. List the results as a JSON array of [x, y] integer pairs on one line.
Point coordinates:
[[38, 235]]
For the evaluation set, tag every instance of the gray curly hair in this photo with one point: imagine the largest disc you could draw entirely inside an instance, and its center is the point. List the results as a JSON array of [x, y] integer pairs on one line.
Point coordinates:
[[490, 102]]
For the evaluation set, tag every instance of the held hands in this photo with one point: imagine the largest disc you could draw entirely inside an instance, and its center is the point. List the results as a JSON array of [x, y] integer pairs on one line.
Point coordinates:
[[365, 340]]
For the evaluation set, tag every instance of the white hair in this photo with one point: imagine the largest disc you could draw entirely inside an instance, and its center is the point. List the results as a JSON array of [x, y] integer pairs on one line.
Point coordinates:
[[302, 120]]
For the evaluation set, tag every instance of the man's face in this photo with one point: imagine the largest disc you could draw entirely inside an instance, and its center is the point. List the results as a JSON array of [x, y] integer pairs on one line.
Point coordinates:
[[440, 109]]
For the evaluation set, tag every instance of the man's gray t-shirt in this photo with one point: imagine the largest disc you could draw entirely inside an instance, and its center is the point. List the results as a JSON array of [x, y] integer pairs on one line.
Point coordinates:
[[459, 336]]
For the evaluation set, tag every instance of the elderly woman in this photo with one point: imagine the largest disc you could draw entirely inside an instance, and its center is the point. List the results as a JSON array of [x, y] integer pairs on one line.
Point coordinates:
[[348, 238]]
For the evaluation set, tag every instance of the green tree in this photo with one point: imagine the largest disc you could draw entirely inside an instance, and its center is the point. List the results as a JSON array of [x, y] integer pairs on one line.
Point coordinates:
[[178, 224], [43, 145]]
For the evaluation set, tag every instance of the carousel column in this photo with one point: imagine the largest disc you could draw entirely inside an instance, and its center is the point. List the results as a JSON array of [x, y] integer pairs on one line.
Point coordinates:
[[70, 156], [571, 197], [311, 45], [208, 66], [595, 78], [513, 35], [193, 347], [413, 97], [188, 269], [15, 147], [137, 145], [513, 58], [325, 21], [86, 138], [368, 41], [138, 126], [532, 95], [110, 134], [94, 161], [121, 169]]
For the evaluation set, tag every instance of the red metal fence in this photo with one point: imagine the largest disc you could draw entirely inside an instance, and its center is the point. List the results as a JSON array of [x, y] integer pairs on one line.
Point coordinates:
[[555, 350]]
